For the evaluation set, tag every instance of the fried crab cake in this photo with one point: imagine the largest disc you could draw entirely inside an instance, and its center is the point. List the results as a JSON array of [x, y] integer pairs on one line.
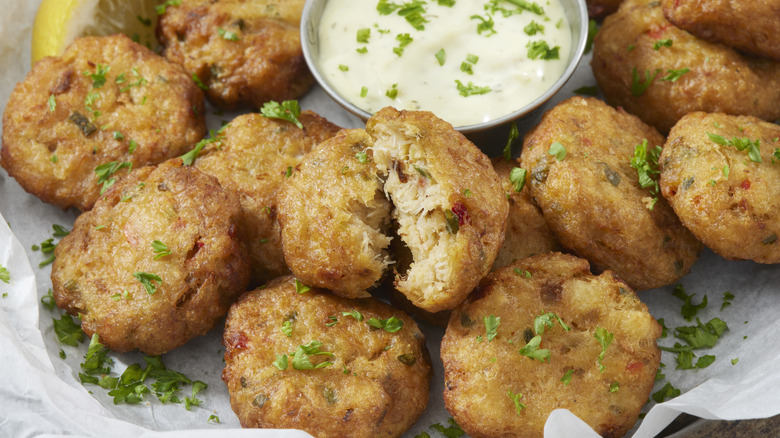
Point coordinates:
[[579, 160], [572, 341], [527, 232], [334, 217], [245, 52], [750, 26], [156, 262], [602, 8], [251, 158], [105, 104], [728, 198], [660, 73], [448, 205], [318, 362]]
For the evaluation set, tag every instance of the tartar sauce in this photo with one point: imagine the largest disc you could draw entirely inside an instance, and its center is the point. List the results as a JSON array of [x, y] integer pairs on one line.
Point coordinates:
[[467, 61]]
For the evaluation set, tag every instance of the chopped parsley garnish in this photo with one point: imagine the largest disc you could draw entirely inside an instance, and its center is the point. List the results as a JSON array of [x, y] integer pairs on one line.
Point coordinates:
[[566, 379], [48, 300], [491, 326], [516, 399], [593, 29], [147, 280], [645, 161], [668, 391], [362, 157], [689, 309], [604, 338], [52, 103], [141, 80], [213, 419], [190, 157], [287, 327], [362, 50], [403, 40], [517, 177], [532, 350], [392, 93], [363, 35], [5, 276], [638, 86], [453, 431], [118, 136], [547, 320], [300, 358], [160, 250], [280, 362], [441, 57], [353, 313], [587, 90], [485, 25], [467, 68], [674, 75], [288, 110], [333, 322], [99, 76], [614, 387], [514, 134], [744, 143], [662, 43], [451, 222], [226, 34], [525, 273], [288, 173], [161, 8], [300, 287], [145, 21], [557, 150], [67, 331], [540, 49], [390, 325], [533, 28], [471, 89], [363, 91], [734, 361], [105, 170], [727, 297], [132, 146], [198, 82], [343, 67]]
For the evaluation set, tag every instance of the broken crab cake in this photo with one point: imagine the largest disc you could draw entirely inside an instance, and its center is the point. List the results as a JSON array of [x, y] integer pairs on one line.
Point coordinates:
[[244, 52], [157, 261], [719, 174], [334, 217], [80, 121], [331, 366], [579, 159], [448, 205], [251, 157], [572, 341]]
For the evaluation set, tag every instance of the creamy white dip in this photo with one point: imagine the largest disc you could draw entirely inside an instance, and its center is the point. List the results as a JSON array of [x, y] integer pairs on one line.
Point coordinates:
[[499, 58]]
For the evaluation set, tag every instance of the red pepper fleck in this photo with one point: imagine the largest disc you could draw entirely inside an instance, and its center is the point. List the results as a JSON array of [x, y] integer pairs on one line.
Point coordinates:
[[657, 31], [459, 210], [200, 244], [232, 231], [238, 341], [634, 366], [745, 184]]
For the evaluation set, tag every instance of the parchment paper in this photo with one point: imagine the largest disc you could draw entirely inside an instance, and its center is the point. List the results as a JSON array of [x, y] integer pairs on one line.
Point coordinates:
[[40, 394]]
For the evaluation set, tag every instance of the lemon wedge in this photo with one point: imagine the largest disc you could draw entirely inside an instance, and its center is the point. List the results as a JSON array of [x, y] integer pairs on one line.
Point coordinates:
[[59, 22]]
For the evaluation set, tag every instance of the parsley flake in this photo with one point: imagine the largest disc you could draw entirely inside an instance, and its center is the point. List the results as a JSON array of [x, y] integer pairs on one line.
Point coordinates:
[[491, 326], [604, 338], [105, 170], [517, 177], [471, 89], [566, 379], [532, 350], [226, 34], [288, 110], [5, 276], [300, 287], [752, 146], [160, 250], [516, 399], [390, 325], [540, 50], [52, 103], [161, 8], [67, 331], [99, 76], [638, 86], [441, 57], [147, 280], [645, 161], [514, 134], [557, 150], [662, 43]]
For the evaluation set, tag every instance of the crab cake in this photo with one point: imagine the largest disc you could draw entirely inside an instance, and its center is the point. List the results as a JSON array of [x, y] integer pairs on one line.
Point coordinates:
[[105, 104], [572, 341], [579, 160], [318, 362], [156, 262], [449, 206], [527, 232], [660, 73], [251, 159], [750, 26], [245, 52], [728, 198], [601, 8], [334, 217]]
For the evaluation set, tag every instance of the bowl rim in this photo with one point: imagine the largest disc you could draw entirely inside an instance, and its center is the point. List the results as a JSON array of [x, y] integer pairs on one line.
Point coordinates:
[[307, 28]]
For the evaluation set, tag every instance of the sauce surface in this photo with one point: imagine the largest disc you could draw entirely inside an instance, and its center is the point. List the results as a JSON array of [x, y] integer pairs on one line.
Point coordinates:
[[467, 61]]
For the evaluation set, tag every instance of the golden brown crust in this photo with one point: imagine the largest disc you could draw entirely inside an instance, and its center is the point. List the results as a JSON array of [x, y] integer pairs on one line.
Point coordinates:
[[719, 78], [334, 217], [476, 371], [93, 275], [527, 232], [433, 172], [251, 160], [726, 199], [264, 62], [145, 99], [377, 384], [750, 26], [592, 200]]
